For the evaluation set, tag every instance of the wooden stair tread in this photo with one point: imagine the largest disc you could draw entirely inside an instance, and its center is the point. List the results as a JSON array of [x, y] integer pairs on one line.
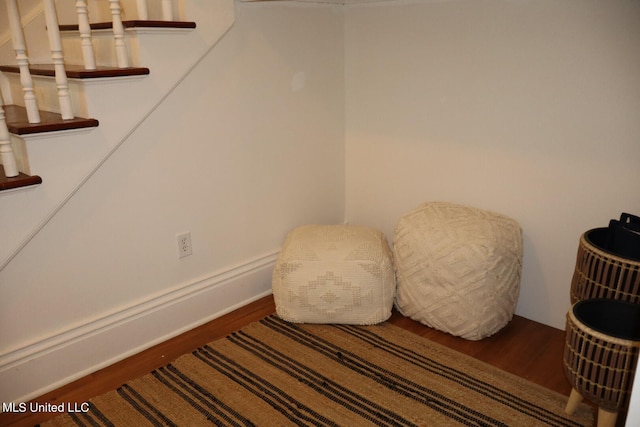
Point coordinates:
[[22, 180], [136, 23], [78, 71], [18, 123], [16, 116]]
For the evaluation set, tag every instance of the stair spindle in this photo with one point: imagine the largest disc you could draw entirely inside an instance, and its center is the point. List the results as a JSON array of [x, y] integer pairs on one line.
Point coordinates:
[[55, 44], [20, 47], [6, 152], [118, 34], [85, 35], [167, 10], [143, 14]]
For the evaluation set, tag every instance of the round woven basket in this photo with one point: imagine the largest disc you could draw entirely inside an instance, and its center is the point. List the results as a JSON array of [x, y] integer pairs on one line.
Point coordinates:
[[600, 273], [603, 340]]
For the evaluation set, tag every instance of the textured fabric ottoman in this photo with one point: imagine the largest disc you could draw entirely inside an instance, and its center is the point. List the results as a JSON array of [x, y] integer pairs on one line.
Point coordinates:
[[334, 274], [458, 268]]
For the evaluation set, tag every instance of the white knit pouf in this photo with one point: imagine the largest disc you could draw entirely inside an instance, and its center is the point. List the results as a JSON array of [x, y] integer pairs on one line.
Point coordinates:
[[458, 268], [334, 274]]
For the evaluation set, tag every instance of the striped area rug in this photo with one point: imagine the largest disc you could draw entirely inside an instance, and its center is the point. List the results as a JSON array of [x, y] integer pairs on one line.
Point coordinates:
[[274, 373]]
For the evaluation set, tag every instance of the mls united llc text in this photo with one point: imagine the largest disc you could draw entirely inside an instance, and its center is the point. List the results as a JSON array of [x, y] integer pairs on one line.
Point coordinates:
[[34, 407]]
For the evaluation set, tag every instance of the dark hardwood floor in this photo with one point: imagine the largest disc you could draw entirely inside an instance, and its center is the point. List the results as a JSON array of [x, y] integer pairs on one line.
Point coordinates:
[[525, 348]]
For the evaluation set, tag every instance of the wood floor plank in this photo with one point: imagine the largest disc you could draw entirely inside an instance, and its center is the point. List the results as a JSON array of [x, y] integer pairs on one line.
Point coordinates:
[[525, 348]]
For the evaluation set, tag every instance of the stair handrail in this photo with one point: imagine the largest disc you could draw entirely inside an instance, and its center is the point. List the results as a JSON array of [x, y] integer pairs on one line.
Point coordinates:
[[20, 47], [7, 156]]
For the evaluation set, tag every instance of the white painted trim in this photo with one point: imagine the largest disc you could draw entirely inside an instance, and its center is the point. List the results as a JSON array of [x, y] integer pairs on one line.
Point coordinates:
[[157, 30], [49, 135], [18, 190], [53, 361]]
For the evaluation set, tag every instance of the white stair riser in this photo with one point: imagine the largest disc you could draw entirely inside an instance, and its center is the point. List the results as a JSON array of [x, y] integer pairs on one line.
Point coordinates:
[[47, 94], [35, 31], [99, 11], [103, 47], [156, 42]]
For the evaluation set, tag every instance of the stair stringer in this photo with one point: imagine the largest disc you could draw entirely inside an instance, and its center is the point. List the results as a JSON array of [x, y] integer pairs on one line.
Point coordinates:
[[67, 160]]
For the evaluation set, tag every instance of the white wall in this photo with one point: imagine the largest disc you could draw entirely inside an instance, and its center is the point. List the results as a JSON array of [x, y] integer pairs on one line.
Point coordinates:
[[528, 108], [249, 146]]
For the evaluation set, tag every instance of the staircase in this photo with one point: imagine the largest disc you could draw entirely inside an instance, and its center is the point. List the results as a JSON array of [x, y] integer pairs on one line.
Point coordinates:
[[77, 78]]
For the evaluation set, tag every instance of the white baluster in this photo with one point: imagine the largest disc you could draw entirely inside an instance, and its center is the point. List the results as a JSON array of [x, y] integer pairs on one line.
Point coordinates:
[[20, 47], [6, 152], [55, 45], [85, 35], [167, 10], [143, 14], [118, 34]]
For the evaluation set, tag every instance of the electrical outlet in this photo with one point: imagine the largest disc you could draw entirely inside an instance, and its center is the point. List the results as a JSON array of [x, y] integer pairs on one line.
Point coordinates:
[[184, 244]]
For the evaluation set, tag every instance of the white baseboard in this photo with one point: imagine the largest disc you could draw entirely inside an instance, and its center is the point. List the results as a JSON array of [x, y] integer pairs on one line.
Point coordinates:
[[56, 360]]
